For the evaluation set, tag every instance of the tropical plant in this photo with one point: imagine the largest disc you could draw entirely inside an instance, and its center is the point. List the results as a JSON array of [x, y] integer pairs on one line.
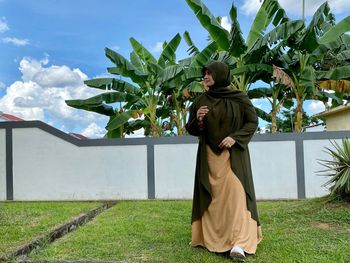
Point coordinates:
[[182, 88], [285, 121], [251, 59], [338, 169], [301, 66], [278, 97], [140, 104], [289, 53]]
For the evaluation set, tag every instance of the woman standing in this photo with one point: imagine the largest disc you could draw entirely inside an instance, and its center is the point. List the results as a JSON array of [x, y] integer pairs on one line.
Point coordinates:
[[224, 213]]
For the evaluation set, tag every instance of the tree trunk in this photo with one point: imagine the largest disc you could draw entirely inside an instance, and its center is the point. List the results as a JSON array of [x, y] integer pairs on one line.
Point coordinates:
[[298, 116], [273, 122]]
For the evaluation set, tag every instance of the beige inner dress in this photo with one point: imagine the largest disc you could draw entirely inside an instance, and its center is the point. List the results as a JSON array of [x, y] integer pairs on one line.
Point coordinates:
[[227, 222]]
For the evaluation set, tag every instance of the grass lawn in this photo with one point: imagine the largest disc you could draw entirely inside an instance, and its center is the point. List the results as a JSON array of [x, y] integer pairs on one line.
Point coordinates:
[[21, 222], [159, 231]]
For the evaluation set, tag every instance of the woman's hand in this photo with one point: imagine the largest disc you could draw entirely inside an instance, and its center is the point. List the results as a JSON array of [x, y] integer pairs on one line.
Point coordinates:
[[227, 143], [202, 111]]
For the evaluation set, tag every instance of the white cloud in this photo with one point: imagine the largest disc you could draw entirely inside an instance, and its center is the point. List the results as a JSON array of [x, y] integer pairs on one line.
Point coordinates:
[[115, 48], [225, 23], [94, 131], [15, 41], [251, 7], [158, 47], [2, 85], [42, 93], [316, 106], [339, 6], [292, 7], [3, 25]]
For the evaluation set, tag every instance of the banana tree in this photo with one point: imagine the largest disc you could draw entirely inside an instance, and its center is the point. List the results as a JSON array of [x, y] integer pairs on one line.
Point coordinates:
[[278, 97], [250, 59], [300, 65], [143, 98], [183, 87]]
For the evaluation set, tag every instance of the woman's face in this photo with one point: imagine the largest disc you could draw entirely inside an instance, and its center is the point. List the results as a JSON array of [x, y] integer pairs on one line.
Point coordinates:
[[208, 79]]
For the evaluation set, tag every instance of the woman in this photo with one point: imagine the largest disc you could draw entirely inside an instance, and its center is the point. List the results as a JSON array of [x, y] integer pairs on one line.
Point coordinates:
[[224, 213]]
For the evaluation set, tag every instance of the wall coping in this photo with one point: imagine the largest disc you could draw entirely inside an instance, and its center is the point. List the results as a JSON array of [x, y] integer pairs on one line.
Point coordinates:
[[168, 140]]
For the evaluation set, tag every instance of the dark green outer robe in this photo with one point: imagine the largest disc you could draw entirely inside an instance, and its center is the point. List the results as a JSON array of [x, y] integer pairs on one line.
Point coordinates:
[[230, 114]]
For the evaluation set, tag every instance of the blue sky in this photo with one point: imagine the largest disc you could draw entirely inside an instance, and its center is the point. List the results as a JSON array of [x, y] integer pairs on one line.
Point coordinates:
[[49, 47]]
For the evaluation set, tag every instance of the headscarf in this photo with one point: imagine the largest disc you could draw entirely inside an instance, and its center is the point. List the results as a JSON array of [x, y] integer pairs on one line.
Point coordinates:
[[224, 105]]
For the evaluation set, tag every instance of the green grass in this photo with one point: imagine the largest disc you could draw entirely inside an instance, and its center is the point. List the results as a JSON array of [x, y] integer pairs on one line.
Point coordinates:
[[21, 222], [160, 231]]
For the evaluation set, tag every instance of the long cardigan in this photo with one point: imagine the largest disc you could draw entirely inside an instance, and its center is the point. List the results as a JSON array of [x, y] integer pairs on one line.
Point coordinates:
[[230, 114]]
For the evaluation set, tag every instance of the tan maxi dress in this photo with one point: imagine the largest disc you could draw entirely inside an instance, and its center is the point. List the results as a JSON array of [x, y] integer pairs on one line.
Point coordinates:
[[227, 222]]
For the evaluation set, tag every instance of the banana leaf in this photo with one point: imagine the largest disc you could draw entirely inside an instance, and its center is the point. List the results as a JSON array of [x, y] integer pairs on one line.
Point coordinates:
[[195, 87], [126, 69], [203, 57], [111, 83], [210, 23], [100, 108], [251, 69], [342, 85], [226, 57], [134, 125], [136, 61], [334, 74], [108, 97], [116, 133], [142, 52], [185, 62], [168, 54], [258, 93], [344, 55], [119, 120], [170, 73], [192, 50], [154, 68], [323, 94], [237, 44], [336, 31], [192, 73], [281, 32], [114, 70], [309, 36], [269, 9], [262, 114], [307, 79]]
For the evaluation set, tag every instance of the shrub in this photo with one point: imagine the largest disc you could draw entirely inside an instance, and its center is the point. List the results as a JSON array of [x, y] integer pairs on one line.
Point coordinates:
[[338, 169]]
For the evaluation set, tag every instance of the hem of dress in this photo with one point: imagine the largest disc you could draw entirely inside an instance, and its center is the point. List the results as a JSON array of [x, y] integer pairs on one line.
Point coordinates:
[[225, 250]]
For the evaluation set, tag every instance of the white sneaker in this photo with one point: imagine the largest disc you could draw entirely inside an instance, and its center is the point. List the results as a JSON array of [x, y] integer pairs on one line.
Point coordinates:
[[237, 253]]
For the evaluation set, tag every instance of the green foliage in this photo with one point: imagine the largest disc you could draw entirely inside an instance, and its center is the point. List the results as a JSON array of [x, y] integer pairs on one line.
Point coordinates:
[[338, 169], [210, 23], [285, 122]]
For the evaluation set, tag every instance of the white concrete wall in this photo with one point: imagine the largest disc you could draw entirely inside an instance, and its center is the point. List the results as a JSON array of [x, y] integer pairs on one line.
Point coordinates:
[[2, 164], [274, 169], [314, 150], [46, 167], [174, 170], [49, 168]]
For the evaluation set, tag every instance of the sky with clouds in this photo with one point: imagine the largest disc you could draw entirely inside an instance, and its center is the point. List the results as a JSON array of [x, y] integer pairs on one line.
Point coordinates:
[[49, 47]]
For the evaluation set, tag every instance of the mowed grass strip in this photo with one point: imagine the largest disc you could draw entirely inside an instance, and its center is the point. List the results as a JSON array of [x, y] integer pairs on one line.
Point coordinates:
[[160, 231], [21, 222]]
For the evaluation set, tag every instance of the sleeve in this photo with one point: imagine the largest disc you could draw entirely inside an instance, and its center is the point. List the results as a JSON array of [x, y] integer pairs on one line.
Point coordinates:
[[250, 123], [193, 126]]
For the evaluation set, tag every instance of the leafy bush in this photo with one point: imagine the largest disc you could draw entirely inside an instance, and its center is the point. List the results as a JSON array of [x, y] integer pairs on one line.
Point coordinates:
[[338, 169]]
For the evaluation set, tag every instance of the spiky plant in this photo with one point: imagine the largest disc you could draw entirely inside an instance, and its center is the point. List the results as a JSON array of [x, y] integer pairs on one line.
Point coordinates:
[[338, 169]]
